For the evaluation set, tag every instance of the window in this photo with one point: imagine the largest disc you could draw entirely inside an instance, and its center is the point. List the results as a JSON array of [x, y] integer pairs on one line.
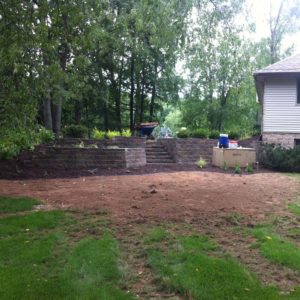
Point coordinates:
[[298, 91], [297, 142]]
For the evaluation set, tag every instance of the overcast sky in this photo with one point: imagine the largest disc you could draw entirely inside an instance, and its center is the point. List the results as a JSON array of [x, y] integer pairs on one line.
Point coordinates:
[[260, 10]]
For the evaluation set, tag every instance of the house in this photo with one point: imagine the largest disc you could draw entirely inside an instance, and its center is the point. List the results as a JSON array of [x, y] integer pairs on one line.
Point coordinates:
[[278, 90]]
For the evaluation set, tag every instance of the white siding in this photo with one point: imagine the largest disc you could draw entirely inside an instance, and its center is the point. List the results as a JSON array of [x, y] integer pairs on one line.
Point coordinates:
[[281, 112]]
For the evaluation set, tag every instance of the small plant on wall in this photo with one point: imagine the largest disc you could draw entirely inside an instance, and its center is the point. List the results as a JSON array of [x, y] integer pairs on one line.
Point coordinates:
[[237, 169], [201, 163], [249, 168], [225, 167]]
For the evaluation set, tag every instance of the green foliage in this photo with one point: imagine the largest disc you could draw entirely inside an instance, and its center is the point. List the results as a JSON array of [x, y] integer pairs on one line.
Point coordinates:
[[237, 169], [12, 142], [98, 134], [214, 134], [126, 133], [75, 131], [294, 208], [192, 266], [234, 135], [112, 134], [225, 167], [281, 159], [249, 168], [183, 133], [200, 133], [45, 135], [201, 163], [80, 145], [16, 204]]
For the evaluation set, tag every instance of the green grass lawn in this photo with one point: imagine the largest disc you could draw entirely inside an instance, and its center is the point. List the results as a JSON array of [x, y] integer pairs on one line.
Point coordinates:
[[12, 205], [75, 255], [39, 260], [195, 267], [276, 249]]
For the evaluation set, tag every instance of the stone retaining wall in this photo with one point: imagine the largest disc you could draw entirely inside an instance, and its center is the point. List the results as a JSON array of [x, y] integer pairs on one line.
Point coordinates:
[[121, 142], [188, 151], [68, 158]]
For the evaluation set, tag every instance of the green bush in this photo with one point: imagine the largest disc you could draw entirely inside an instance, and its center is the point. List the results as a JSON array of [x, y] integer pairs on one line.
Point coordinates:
[[126, 133], [249, 168], [281, 159], [237, 169], [45, 136], [234, 135], [113, 133], [201, 163], [98, 134], [75, 131], [200, 133], [214, 134], [12, 142], [183, 133]]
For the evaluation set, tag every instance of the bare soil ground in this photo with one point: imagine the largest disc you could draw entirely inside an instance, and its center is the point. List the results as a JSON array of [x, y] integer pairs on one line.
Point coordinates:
[[187, 201], [178, 196]]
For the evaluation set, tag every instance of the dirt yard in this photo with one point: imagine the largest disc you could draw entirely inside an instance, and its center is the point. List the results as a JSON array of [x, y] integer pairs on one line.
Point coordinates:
[[179, 196], [207, 202]]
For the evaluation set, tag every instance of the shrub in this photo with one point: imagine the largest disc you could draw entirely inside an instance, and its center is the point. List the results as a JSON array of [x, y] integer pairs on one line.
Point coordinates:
[[200, 133], [225, 167], [75, 131], [12, 142], [126, 133], [45, 135], [98, 134], [201, 163], [281, 159], [237, 169], [234, 135], [183, 133], [113, 133], [214, 134], [249, 168]]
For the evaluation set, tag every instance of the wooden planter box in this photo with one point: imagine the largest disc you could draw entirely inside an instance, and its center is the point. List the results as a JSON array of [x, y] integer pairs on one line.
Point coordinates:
[[233, 157]]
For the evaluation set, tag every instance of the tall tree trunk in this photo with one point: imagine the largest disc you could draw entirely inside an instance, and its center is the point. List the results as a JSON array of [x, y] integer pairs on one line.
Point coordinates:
[[118, 98], [153, 94], [77, 115], [105, 111], [56, 115], [131, 101], [142, 96], [137, 100], [47, 113]]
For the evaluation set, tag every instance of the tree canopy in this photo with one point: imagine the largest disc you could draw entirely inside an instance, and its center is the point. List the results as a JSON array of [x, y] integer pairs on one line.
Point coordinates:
[[113, 64]]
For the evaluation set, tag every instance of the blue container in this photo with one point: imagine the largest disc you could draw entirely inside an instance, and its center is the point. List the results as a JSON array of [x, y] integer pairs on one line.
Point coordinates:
[[223, 141], [146, 130]]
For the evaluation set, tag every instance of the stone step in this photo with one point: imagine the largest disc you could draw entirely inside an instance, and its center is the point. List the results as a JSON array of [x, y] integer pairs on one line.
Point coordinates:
[[162, 156], [159, 160]]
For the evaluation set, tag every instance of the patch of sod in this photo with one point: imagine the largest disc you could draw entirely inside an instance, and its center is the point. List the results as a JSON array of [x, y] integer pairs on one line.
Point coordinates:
[[294, 208], [16, 204], [294, 175], [193, 267], [35, 222], [156, 234], [39, 261], [276, 249]]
